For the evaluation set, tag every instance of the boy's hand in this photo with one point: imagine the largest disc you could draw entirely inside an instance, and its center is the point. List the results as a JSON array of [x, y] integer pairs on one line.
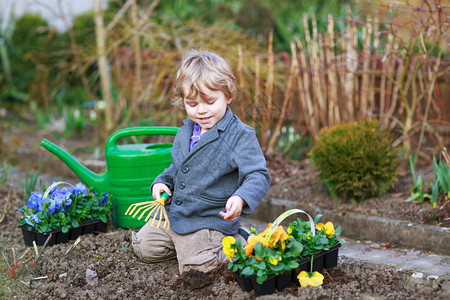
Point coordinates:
[[158, 189], [234, 208]]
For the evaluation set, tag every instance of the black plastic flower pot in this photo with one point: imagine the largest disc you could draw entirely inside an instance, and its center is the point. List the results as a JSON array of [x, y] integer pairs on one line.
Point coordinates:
[[28, 236], [283, 281], [62, 238], [89, 226], [331, 257], [100, 227], [317, 265], [266, 288], [244, 282], [42, 237], [74, 233], [303, 265]]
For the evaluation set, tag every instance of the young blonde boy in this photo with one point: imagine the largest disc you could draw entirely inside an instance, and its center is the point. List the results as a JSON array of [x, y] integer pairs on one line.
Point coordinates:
[[217, 175]]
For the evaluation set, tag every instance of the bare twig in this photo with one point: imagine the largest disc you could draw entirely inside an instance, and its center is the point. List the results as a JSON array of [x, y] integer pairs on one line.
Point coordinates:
[[14, 255], [35, 248], [26, 251], [43, 247], [78, 240], [5, 209]]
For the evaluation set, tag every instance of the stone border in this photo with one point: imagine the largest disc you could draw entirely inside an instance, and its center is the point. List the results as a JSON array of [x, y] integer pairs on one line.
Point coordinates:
[[376, 229]]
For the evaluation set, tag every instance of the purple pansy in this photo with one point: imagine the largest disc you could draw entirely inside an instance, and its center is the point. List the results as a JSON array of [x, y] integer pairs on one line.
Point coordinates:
[[35, 218], [34, 200], [105, 198], [79, 188]]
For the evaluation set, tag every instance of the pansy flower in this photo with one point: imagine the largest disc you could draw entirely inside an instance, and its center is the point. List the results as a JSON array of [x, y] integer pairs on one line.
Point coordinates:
[[28, 221], [328, 228], [35, 219], [251, 242], [105, 198], [79, 188], [34, 200], [278, 234], [227, 242], [310, 279]]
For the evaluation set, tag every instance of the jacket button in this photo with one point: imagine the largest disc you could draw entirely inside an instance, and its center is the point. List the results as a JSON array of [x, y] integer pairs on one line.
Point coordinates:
[[182, 185], [185, 170], [178, 201]]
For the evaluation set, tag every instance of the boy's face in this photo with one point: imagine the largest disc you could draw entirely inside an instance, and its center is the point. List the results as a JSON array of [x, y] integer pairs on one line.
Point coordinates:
[[207, 111]]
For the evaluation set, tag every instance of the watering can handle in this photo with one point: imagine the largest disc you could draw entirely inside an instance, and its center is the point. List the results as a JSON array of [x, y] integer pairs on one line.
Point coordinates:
[[112, 140]]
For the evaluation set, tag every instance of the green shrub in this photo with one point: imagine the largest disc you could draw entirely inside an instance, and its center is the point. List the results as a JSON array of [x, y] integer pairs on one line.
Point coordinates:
[[356, 160]]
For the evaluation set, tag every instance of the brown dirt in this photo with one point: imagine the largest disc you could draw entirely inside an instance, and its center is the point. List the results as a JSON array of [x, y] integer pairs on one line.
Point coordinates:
[[121, 276]]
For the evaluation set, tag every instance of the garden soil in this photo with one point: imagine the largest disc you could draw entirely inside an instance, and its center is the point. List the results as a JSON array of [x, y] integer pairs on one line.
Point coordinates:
[[103, 266]]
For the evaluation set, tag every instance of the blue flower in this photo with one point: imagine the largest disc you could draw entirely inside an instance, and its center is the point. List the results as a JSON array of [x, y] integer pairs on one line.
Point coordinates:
[[28, 221], [79, 188], [67, 202], [35, 219], [52, 206], [53, 189], [60, 196], [34, 200], [105, 198]]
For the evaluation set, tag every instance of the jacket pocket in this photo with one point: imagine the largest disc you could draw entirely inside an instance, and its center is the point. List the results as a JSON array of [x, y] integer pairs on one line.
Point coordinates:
[[209, 206]]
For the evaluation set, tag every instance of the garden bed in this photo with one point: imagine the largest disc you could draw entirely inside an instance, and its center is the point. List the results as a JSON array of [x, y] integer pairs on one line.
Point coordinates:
[[119, 275]]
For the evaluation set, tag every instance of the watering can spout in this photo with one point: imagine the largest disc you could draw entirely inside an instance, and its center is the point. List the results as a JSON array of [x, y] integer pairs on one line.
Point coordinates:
[[97, 181]]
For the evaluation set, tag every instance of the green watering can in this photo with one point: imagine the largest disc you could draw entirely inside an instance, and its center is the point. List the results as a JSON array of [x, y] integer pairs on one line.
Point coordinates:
[[130, 171]]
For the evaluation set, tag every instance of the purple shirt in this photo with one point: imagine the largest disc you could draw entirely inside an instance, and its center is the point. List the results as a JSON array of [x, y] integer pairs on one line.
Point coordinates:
[[196, 135]]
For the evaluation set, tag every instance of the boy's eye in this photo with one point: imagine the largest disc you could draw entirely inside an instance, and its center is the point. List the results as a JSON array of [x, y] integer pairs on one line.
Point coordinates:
[[192, 104], [211, 101]]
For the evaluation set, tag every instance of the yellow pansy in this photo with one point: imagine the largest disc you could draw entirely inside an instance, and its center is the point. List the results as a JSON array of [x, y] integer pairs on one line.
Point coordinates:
[[278, 234], [329, 228], [251, 242], [290, 230], [273, 261], [227, 242], [310, 279]]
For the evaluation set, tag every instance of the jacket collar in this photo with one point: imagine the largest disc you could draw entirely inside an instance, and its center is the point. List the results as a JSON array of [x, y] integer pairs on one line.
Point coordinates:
[[211, 135], [221, 125]]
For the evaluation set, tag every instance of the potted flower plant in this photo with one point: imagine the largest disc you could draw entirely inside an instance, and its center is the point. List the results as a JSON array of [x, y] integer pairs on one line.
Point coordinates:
[[275, 255], [66, 213], [266, 260]]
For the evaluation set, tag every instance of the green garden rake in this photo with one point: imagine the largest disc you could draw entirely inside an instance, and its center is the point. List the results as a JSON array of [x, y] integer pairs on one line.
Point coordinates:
[[150, 207]]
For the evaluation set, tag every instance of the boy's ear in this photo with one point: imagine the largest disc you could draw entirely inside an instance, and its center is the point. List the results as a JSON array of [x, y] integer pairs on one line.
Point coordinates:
[[229, 101]]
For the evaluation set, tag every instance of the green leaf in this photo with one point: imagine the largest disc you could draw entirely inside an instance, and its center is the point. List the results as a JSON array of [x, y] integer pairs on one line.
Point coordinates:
[[278, 267], [259, 250], [338, 230], [316, 219], [292, 264], [412, 197], [247, 271], [75, 224], [65, 229], [261, 279], [262, 266], [296, 248]]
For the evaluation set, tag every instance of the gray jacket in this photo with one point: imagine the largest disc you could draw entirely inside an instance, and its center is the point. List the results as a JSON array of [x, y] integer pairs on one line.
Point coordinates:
[[226, 161]]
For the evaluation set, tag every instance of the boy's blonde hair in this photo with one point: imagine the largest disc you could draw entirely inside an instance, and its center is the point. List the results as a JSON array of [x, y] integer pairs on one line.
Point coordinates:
[[203, 69]]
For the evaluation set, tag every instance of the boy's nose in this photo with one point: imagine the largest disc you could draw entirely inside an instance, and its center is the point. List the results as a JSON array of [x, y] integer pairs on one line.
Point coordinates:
[[202, 108]]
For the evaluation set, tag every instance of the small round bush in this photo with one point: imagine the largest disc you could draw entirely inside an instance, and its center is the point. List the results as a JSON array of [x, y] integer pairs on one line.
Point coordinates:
[[356, 160]]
